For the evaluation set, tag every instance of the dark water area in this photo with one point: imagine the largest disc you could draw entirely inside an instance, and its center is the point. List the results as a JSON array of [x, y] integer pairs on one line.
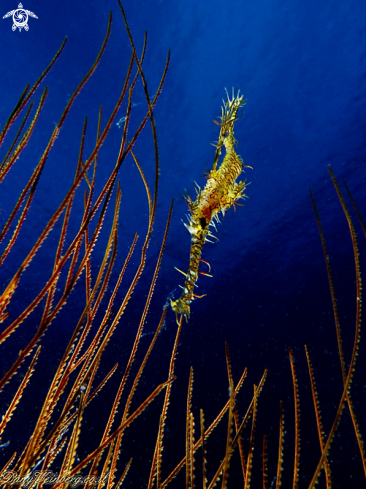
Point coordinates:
[[302, 68]]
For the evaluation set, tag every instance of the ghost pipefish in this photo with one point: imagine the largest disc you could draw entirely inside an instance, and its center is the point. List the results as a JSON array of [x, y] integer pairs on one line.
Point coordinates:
[[220, 193]]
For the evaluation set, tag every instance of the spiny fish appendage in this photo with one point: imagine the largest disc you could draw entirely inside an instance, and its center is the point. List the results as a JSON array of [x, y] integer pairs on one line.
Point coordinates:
[[220, 193]]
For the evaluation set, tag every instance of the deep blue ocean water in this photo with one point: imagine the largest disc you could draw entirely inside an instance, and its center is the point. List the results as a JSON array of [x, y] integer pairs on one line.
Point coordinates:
[[302, 68]]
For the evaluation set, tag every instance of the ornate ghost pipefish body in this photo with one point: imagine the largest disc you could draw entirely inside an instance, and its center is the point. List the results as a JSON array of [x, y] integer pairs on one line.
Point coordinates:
[[220, 193]]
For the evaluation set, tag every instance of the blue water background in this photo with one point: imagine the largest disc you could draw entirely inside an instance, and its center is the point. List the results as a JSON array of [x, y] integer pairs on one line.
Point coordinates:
[[301, 66]]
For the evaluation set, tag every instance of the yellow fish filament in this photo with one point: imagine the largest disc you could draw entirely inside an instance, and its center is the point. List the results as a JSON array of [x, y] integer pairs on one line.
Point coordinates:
[[220, 193]]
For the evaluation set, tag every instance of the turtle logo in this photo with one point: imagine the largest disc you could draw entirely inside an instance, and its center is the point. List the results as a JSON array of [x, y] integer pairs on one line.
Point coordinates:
[[20, 17]]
